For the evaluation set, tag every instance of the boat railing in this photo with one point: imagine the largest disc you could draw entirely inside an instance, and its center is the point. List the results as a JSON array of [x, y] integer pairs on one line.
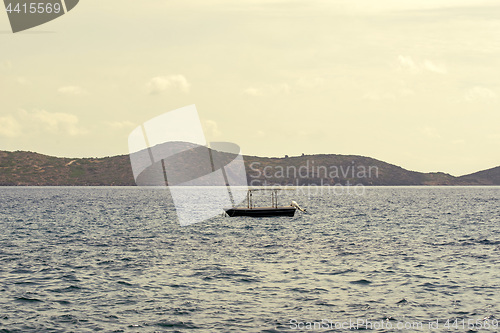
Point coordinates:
[[274, 198]]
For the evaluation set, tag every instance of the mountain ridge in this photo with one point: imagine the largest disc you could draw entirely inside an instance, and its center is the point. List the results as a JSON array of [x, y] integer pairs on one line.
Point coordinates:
[[22, 168]]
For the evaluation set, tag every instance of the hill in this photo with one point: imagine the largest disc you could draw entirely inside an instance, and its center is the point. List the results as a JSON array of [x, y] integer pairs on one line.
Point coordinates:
[[22, 168], [337, 169], [485, 177]]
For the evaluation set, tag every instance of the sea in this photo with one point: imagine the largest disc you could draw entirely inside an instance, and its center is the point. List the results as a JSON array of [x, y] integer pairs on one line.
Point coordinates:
[[382, 259]]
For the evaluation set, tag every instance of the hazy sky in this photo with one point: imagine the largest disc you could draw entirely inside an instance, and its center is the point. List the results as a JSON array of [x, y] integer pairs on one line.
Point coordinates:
[[411, 82]]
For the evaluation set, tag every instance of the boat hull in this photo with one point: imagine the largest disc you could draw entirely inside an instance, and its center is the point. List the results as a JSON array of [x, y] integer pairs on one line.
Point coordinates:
[[262, 211]]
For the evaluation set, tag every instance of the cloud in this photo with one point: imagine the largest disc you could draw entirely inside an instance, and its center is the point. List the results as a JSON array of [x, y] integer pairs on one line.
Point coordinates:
[[5, 65], [494, 137], [430, 132], [252, 91], [410, 65], [211, 129], [376, 96], [299, 85], [10, 127], [432, 67], [71, 90], [404, 88], [50, 122], [39, 122], [479, 94], [160, 84], [118, 125], [269, 89], [309, 83], [388, 96], [23, 81]]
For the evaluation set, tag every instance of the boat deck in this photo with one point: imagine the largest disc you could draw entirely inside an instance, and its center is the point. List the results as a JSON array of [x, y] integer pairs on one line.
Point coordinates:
[[262, 211]]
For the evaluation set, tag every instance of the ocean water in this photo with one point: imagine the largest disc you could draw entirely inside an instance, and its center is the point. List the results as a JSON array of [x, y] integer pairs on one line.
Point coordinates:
[[116, 260]]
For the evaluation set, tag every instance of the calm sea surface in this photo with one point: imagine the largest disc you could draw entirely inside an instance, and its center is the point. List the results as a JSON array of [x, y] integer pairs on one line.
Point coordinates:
[[116, 260]]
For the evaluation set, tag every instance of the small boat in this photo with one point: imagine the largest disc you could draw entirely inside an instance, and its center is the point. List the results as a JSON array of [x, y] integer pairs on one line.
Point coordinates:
[[274, 210]]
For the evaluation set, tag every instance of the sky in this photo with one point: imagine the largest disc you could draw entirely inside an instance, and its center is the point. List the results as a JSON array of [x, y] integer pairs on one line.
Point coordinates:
[[411, 82]]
